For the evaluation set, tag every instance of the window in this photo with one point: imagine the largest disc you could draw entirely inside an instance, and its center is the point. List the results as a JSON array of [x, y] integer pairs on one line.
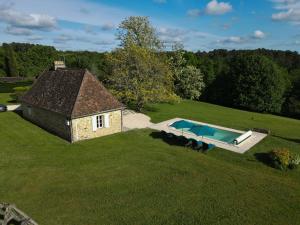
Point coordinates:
[[99, 121]]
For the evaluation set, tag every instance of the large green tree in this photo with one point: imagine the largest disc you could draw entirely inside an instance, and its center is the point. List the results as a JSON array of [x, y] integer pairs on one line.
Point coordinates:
[[257, 83], [10, 61], [138, 74], [137, 30]]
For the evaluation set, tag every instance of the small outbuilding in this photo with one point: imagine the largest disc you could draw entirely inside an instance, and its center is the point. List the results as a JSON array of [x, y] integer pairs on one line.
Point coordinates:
[[72, 104]]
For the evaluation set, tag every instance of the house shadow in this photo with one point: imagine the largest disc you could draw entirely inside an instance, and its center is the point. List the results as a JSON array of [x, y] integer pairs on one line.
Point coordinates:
[[44, 129], [264, 158]]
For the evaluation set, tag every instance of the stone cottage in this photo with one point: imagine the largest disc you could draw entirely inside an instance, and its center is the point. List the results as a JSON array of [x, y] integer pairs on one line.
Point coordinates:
[[72, 104]]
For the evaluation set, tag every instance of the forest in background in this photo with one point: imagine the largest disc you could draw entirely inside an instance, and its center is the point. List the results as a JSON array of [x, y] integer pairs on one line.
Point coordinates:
[[225, 73]]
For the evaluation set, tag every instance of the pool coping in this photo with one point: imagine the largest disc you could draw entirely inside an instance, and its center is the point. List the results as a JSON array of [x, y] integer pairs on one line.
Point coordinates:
[[241, 148]]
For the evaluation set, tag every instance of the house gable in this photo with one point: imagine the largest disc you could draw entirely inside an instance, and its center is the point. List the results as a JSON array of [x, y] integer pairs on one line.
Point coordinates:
[[93, 98]]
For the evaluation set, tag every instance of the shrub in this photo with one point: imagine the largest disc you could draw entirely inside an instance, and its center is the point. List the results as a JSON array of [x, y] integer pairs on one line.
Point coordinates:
[[19, 92], [294, 161], [21, 89], [280, 158], [283, 159]]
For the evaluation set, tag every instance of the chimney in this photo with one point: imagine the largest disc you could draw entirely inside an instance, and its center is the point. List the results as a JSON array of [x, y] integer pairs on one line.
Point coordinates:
[[59, 65]]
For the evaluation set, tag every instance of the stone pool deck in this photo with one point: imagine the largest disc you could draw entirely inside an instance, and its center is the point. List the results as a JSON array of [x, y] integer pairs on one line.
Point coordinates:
[[241, 148]]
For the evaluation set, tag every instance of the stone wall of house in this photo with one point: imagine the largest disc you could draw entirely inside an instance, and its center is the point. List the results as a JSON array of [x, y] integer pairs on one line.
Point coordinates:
[[82, 128], [50, 121]]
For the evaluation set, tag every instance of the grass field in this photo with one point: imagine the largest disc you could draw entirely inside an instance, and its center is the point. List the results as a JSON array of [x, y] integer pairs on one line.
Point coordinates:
[[135, 178]]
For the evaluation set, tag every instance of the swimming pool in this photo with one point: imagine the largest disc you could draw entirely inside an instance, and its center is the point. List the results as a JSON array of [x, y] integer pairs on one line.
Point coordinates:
[[218, 134]]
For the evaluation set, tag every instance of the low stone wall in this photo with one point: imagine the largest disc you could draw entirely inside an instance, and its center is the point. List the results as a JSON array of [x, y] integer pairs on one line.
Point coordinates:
[[82, 128], [11, 79], [50, 121]]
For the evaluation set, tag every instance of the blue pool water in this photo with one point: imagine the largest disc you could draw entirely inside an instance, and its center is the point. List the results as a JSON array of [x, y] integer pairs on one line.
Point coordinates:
[[219, 134]]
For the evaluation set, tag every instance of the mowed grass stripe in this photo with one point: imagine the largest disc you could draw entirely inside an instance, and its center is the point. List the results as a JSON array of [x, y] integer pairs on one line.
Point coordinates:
[[131, 178]]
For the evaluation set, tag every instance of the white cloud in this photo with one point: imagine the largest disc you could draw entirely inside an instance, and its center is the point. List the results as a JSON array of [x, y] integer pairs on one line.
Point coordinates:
[[35, 38], [108, 26], [95, 13], [232, 39], [258, 34], [63, 38], [218, 8], [18, 31], [194, 12], [82, 38], [163, 31], [212, 8], [188, 37], [84, 10], [23, 20], [171, 35], [288, 10]]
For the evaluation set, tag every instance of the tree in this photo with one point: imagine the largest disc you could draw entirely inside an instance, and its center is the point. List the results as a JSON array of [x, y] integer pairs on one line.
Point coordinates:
[[2, 66], [35, 59], [188, 80], [138, 76], [292, 105], [190, 83], [137, 30], [11, 66], [257, 83]]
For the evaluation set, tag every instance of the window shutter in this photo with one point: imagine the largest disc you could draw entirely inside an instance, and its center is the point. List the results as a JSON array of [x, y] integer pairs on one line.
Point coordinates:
[[94, 123], [106, 120]]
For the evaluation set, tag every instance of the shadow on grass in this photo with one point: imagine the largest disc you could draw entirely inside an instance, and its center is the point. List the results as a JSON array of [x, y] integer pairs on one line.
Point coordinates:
[[288, 139], [19, 113], [178, 141], [264, 158]]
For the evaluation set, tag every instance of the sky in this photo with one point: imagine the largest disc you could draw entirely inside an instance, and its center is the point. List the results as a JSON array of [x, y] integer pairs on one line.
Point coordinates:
[[198, 24]]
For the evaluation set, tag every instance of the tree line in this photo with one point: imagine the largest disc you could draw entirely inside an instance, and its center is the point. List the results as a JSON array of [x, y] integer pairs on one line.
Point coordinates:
[[141, 71]]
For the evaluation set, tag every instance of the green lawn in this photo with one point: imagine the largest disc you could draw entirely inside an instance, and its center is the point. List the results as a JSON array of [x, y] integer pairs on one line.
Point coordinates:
[[6, 91], [134, 178]]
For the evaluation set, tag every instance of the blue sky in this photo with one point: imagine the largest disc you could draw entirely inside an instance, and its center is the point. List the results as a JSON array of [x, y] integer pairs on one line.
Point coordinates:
[[199, 24]]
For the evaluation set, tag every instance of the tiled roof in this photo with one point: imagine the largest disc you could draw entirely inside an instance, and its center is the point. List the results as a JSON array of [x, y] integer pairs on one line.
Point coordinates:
[[73, 93]]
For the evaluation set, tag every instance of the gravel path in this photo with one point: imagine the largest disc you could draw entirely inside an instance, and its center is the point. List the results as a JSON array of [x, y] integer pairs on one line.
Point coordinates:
[[134, 120]]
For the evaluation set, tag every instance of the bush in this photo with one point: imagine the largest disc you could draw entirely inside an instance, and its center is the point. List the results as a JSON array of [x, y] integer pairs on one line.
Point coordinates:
[[280, 158], [294, 161], [283, 159], [19, 92]]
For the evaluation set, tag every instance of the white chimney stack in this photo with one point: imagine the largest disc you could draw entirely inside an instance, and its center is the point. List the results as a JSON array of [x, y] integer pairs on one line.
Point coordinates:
[[59, 65]]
